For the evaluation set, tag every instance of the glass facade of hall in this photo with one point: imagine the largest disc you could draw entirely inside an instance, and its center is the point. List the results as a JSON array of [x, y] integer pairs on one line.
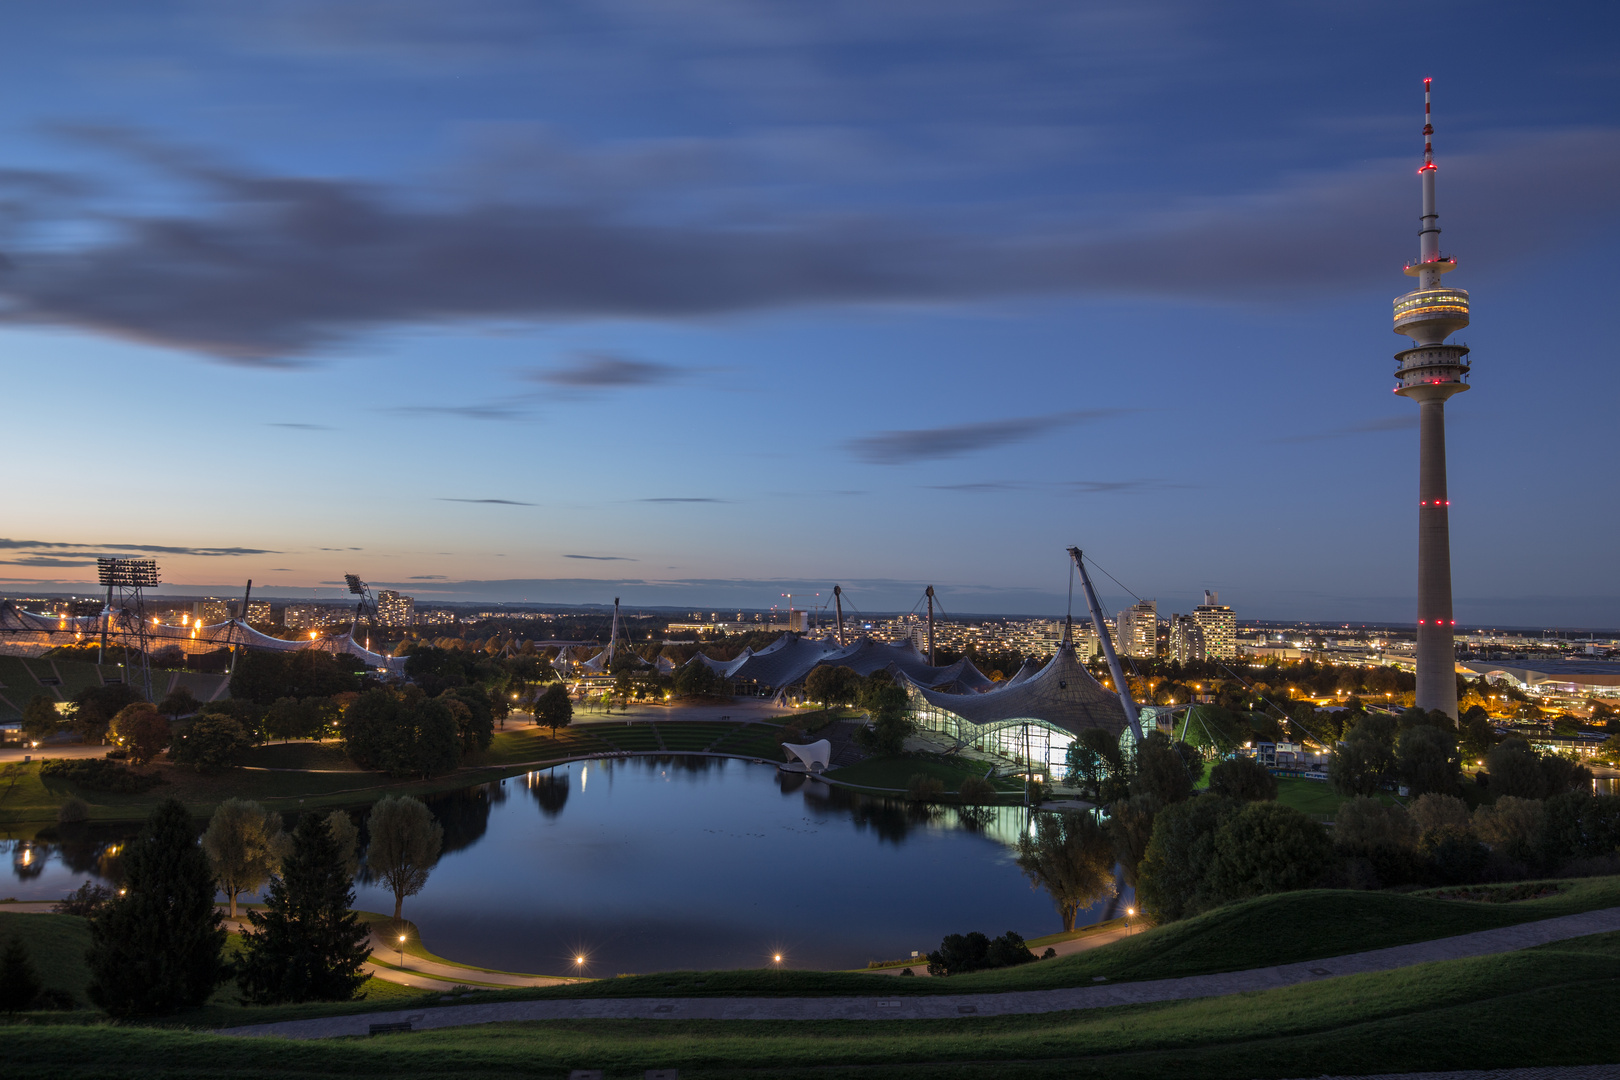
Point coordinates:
[[1022, 742]]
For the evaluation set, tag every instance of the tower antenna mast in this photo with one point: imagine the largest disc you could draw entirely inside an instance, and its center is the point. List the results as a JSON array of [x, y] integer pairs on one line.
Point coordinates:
[[1121, 687]]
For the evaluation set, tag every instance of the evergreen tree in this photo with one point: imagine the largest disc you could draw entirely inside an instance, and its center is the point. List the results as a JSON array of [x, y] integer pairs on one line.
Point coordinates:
[[19, 982], [307, 945], [158, 947]]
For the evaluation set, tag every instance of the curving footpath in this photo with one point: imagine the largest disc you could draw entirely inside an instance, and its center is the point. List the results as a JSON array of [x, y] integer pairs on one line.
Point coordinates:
[[944, 1006]]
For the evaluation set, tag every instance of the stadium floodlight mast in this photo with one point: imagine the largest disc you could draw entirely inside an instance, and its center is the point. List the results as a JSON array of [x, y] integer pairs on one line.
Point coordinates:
[[366, 604], [129, 577]]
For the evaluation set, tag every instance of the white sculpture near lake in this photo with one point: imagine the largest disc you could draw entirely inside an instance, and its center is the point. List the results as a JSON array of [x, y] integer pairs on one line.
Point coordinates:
[[815, 755]]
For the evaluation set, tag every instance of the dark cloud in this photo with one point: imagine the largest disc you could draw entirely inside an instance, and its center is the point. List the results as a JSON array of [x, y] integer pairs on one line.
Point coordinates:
[[603, 558], [46, 560], [1404, 422], [154, 549], [1089, 487], [492, 502], [264, 269], [929, 444], [982, 487], [1118, 487], [672, 499], [301, 427], [340, 549], [427, 577], [597, 371]]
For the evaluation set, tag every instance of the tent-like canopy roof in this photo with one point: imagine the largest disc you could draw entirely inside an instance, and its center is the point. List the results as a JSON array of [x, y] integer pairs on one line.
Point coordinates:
[[1062, 694], [789, 659]]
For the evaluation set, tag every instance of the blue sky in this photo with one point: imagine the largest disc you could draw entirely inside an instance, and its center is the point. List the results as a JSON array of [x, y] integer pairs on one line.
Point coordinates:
[[697, 302]]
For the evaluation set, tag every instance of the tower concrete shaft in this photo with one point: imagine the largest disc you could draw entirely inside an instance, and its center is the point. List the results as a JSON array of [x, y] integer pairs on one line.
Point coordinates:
[[1430, 373]]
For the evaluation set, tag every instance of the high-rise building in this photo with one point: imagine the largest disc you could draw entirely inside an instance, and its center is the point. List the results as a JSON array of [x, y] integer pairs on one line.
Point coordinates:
[[394, 609], [1186, 639], [210, 611], [1219, 627], [258, 611], [1139, 629], [1430, 372]]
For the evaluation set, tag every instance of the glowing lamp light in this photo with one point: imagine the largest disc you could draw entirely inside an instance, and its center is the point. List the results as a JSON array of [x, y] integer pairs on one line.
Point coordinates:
[[777, 958], [579, 960]]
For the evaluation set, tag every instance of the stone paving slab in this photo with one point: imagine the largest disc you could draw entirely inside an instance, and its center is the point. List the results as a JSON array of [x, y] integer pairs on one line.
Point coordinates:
[[951, 1006]]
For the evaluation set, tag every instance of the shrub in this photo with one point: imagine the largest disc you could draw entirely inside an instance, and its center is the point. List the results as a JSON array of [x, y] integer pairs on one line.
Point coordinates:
[[959, 954], [1452, 855], [73, 810], [141, 730], [1378, 841], [99, 774], [1580, 826], [1433, 811], [1512, 826], [1267, 848], [924, 788], [1243, 779], [976, 789], [84, 901]]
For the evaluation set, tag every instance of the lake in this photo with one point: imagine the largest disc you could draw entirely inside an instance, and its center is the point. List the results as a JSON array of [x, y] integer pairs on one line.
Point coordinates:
[[656, 864]]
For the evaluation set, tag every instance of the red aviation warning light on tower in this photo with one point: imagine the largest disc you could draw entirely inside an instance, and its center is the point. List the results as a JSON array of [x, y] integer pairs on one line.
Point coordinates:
[[1429, 373]]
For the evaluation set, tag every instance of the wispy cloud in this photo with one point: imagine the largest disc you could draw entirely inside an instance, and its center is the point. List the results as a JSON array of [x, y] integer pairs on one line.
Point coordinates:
[[1088, 487], [1405, 422], [153, 549], [492, 502], [301, 427], [675, 499], [464, 412], [602, 371], [603, 558], [427, 577], [930, 444]]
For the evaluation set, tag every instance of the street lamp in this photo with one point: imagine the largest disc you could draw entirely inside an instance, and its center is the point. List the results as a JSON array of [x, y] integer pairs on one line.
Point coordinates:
[[1130, 913], [402, 950]]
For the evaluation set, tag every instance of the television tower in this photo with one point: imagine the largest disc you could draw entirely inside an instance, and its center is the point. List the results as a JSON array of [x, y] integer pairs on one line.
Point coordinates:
[[1429, 373]]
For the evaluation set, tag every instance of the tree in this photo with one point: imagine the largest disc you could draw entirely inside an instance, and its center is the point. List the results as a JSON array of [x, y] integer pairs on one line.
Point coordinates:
[[297, 718], [1161, 770], [40, 718], [1427, 760], [1476, 734], [1267, 848], [210, 743], [265, 676], [1578, 825], [889, 727], [1359, 765], [179, 702], [1170, 883], [475, 726], [1243, 779], [697, 679], [159, 946], [1515, 769], [1130, 827], [1452, 855], [959, 954], [142, 730], [405, 734], [405, 843], [95, 707], [347, 838], [307, 945], [1378, 840], [244, 843], [1096, 767], [554, 708], [1072, 858], [832, 685], [20, 985]]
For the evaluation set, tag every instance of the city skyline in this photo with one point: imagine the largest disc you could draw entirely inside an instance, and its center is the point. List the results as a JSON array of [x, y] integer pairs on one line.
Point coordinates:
[[698, 306]]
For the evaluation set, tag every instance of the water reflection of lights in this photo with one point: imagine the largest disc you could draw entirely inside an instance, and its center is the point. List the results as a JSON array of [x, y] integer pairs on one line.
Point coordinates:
[[584, 771]]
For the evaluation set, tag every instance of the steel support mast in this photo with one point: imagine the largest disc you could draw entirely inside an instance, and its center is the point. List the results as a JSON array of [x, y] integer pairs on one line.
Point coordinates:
[[1121, 687]]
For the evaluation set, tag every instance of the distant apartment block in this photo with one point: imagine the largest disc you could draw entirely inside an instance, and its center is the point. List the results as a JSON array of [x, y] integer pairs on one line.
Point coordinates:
[[394, 609], [1219, 626], [312, 616], [210, 610], [258, 611], [1186, 640], [1139, 629]]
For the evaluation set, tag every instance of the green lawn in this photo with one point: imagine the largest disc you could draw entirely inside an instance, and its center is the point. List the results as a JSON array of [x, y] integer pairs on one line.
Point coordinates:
[[1315, 797], [895, 773], [56, 945], [300, 755], [1536, 1007]]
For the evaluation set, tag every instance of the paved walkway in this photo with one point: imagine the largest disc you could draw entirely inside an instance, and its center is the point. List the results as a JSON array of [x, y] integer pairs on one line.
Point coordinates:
[[1535, 1072], [943, 1006]]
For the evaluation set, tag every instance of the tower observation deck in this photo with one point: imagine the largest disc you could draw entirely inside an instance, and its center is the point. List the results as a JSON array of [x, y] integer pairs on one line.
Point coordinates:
[[1429, 373]]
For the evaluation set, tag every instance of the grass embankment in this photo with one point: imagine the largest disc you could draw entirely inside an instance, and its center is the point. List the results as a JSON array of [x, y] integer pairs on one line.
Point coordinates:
[[1528, 1008], [894, 773], [27, 798]]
